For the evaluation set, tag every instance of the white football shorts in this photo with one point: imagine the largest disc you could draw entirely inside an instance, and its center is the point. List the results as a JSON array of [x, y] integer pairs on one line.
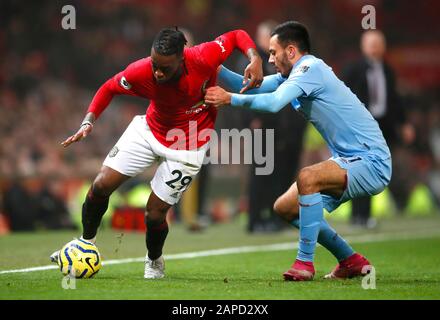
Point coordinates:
[[137, 149]]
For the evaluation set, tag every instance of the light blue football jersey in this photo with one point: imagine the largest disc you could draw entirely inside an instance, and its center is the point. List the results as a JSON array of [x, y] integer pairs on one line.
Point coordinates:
[[313, 89]]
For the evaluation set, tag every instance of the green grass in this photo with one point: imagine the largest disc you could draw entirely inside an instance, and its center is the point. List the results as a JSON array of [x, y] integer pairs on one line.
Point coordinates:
[[405, 269]]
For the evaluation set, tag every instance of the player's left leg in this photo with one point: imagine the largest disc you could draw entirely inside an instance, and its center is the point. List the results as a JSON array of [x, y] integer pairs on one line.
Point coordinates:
[[287, 207], [157, 226], [362, 176], [171, 179], [367, 176], [156, 234], [326, 177], [313, 181]]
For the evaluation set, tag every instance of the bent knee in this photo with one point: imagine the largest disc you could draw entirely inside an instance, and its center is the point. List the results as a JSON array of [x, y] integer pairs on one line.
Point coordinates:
[[156, 209], [285, 210], [101, 188], [278, 207], [307, 182]]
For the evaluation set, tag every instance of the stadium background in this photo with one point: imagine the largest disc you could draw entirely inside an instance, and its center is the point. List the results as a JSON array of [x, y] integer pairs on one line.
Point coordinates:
[[49, 75]]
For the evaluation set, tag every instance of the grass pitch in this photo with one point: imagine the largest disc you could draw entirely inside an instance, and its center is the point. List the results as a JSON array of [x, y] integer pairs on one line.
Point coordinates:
[[405, 253]]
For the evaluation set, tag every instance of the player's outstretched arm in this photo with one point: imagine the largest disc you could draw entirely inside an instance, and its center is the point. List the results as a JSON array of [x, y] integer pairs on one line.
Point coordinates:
[[84, 130], [99, 103], [234, 82], [267, 102], [121, 83], [229, 80]]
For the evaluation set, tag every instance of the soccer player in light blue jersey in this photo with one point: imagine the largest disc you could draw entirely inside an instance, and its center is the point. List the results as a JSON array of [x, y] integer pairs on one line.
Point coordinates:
[[360, 164]]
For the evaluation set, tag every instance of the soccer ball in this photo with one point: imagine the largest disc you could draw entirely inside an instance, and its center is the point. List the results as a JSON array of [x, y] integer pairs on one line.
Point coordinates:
[[80, 259]]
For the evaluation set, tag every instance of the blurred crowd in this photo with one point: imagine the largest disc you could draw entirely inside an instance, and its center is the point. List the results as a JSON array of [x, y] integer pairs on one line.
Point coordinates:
[[49, 75]]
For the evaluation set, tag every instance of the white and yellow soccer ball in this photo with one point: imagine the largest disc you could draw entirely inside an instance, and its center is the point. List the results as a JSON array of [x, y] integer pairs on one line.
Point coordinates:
[[80, 259]]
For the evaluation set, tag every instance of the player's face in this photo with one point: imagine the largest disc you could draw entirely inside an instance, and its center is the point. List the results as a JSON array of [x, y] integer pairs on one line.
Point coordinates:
[[279, 57], [165, 68]]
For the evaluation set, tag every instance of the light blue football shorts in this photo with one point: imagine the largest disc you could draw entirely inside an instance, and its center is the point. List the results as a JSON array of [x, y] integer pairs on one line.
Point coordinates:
[[366, 176]]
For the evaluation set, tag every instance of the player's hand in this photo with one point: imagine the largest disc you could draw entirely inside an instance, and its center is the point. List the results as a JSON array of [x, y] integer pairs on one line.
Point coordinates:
[[83, 132], [217, 96], [253, 74]]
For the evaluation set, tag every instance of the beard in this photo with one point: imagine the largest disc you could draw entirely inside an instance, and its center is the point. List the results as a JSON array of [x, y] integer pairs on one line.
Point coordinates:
[[285, 66]]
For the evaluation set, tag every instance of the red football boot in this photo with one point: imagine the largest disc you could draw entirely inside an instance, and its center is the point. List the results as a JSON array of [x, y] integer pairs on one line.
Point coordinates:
[[300, 271], [355, 265]]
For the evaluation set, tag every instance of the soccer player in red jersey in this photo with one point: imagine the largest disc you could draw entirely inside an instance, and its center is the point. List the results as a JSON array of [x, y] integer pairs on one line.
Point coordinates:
[[174, 78]]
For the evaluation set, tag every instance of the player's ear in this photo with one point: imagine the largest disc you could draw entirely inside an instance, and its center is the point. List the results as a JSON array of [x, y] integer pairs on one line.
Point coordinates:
[[291, 51]]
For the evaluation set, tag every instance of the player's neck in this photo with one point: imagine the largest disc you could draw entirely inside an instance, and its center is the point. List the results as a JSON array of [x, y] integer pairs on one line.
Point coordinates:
[[297, 57]]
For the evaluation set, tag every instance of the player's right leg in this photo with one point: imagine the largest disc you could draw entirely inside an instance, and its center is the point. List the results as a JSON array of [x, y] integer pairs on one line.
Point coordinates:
[[96, 202], [129, 157]]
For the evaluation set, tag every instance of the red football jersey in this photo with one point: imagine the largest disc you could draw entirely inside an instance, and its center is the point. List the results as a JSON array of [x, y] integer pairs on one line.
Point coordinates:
[[176, 105]]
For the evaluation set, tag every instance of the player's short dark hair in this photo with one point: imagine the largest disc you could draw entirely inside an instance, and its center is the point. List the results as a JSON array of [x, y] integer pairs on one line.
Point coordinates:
[[293, 32], [169, 41]]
